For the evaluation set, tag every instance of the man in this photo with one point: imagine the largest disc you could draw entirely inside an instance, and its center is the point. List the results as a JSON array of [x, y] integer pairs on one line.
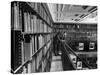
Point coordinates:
[[56, 44]]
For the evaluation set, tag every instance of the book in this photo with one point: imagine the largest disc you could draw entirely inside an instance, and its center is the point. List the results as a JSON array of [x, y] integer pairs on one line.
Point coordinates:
[[36, 42], [29, 67], [38, 25], [45, 28], [16, 16], [37, 61], [41, 26], [40, 41], [26, 51], [29, 24], [33, 44], [33, 68], [36, 7], [32, 24], [24, 70], [35, 23], [25, 22]]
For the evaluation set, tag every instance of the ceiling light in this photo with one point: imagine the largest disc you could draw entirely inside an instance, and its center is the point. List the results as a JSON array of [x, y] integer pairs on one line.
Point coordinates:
[[84, 7], [76, 14], [92, 9], [78, 26], [76, 19], [82, 15]]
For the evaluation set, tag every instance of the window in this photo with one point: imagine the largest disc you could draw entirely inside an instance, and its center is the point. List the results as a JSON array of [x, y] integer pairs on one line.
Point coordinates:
[[91, 45], [81, 46]]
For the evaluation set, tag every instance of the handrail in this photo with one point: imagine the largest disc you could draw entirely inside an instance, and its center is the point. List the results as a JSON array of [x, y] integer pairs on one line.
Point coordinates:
[[67, 54], [72, 51], [69, 57]]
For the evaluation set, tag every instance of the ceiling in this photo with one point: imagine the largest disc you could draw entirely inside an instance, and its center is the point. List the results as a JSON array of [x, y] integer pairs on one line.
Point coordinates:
[[73, 13]]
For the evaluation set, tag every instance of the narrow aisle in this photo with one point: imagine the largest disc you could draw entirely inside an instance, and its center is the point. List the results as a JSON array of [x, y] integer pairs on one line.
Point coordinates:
[[56, 64]]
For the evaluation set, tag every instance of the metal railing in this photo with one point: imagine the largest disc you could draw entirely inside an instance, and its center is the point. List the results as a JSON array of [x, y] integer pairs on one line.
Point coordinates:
[[68, 49]]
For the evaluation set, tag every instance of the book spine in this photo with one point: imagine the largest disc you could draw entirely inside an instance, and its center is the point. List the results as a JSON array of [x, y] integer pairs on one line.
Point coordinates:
[[33, 65], [20, 19], [35, 43], [15, 16], [29, 67], [32, 24], [28, 23], [25, 22], [35, 25]]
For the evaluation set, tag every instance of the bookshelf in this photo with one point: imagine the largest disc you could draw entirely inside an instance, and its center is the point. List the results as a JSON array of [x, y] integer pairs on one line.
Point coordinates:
[[31, 31], [82, 41], [86, 34]]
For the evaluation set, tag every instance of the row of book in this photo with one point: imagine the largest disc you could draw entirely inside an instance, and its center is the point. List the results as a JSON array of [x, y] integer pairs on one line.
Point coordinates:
[[78, 35], [16, 16], [36, 57], [32, 44], [33, 24], [38, 7]]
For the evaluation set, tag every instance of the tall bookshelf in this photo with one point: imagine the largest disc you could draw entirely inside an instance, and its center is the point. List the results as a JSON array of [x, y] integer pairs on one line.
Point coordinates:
[[31, 31]]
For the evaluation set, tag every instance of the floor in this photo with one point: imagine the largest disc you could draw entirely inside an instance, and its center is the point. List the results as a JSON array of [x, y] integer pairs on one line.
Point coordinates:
[[56, 64]]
